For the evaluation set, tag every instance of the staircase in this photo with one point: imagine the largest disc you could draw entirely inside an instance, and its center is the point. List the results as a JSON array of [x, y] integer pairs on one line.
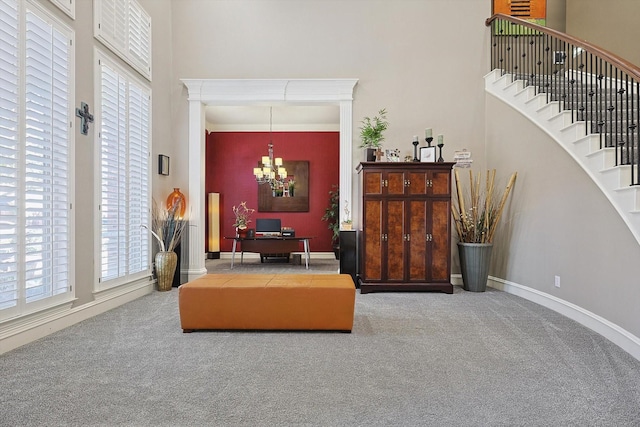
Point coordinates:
[[575, 137], [587, 105]]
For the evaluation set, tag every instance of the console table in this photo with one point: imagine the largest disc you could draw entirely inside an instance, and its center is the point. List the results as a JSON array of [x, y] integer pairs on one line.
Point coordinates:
[[269, 245]]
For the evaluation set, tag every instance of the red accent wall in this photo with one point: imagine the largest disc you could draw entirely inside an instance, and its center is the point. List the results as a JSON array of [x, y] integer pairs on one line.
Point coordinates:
[[231, 157]]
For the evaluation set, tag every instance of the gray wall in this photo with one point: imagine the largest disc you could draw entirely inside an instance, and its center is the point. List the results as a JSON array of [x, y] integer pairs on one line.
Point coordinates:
[[557, 14], [426, 69], [612, 25], [560, 223], [407, 56]]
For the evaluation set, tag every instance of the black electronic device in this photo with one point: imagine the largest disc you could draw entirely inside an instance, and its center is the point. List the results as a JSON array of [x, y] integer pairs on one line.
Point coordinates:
[[268, 226], [288, 232]]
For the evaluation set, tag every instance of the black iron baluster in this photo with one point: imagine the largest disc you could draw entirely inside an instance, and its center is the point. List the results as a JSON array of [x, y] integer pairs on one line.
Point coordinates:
[[516, 56], [572, 81], [581, 95], [511, 49], [532, 57], [496, 45], [544, 47], [591, 95], [610, 108], [635, 138], [624, 120], [616, 132], [601, 95], [562, 97], [503, 49]]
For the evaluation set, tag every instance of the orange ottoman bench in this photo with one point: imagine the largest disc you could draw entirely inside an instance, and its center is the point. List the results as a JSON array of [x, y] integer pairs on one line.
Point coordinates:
[[268, 302]]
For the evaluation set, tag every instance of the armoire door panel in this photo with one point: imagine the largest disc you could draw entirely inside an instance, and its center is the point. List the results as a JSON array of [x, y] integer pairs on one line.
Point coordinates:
[[395, 239], [417, 183], [372, 240], [440, 244], [417, 224], [395, 184], [372, 183], [441, 183]]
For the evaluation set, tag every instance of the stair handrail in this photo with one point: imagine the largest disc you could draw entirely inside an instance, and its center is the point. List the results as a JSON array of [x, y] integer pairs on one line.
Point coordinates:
[[597, 87], [619, 62]]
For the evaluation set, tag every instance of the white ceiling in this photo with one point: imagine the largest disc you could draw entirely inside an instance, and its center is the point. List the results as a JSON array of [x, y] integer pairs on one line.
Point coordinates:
[[285, 118]]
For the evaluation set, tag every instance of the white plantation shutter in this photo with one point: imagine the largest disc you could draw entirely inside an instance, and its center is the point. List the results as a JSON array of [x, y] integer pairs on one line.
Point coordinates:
[[139, 190], [124, 175], [9, 180], [36, 66], [67, 6], [125, 28], [139, 38], [112, 173], [46, 194], [112, 22]]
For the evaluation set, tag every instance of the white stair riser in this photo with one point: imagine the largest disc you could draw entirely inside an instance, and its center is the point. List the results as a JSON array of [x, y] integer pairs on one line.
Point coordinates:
[[584, 148]]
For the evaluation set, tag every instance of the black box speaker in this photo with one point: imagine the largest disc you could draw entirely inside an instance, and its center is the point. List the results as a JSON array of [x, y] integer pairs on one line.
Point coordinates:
[[349, 255]]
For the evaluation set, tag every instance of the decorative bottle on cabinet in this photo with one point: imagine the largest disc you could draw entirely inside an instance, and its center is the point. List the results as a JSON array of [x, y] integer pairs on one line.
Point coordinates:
[[405, 241]]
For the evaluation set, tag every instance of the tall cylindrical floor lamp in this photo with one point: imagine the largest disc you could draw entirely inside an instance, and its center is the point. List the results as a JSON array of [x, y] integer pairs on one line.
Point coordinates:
[[213, 246]]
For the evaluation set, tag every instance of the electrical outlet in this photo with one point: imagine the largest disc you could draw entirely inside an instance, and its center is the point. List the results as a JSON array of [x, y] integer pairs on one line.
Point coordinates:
[[557, 281]]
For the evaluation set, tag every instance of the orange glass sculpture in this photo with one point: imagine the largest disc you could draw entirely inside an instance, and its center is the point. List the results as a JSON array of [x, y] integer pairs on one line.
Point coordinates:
[[176, 197]]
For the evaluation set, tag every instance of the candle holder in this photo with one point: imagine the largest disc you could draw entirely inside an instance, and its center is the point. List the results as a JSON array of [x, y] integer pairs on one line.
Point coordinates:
[[440, 159], [415, 150], [429, 141]]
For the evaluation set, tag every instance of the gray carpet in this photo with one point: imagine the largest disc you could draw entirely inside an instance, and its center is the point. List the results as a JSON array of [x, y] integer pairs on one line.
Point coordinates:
[[467, 359], [253, 265]]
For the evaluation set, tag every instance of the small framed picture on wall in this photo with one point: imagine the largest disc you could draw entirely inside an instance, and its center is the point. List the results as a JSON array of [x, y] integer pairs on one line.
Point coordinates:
[[163, 164], [428, 154]]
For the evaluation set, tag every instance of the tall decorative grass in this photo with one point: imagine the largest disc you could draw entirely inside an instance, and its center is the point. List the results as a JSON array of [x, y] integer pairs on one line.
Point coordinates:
[[167, 226], [476, 212]]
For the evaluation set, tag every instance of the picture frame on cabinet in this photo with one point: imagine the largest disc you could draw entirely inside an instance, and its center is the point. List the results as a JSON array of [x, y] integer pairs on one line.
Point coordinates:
[[428, 154]]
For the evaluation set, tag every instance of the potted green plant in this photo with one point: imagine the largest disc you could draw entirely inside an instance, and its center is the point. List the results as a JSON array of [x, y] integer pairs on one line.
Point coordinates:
[[332, 216], [476, 216], [372, 134]]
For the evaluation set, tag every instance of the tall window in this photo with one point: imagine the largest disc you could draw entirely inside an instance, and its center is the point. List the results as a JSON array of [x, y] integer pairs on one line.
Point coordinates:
[[124, 161], [36, 142]]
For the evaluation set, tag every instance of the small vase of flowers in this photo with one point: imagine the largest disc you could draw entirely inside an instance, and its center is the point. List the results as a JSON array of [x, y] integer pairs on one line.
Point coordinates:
[[243, 218]]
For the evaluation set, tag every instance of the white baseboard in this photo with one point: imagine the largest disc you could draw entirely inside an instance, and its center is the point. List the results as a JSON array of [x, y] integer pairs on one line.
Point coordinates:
[[614, 333], [251, 255], [24, 331]]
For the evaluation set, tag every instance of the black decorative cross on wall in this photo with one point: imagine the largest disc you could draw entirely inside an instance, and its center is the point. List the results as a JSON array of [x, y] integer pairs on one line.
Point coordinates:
[[85, 117]]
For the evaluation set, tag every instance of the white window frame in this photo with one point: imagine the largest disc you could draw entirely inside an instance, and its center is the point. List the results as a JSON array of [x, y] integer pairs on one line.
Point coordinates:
[[101, 58], [124, 27], [56, 300]]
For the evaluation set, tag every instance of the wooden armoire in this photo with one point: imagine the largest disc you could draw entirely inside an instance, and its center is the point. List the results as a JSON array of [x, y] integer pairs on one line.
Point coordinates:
[[405, 235]]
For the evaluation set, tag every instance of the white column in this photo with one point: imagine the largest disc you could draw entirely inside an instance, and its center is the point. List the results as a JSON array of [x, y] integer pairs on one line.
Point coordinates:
[[346, 154], [196, 196]]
